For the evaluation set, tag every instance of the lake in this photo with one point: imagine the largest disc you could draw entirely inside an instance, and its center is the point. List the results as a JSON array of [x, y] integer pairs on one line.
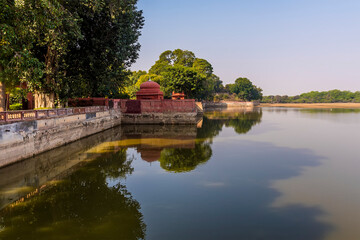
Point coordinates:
[[270, 173]]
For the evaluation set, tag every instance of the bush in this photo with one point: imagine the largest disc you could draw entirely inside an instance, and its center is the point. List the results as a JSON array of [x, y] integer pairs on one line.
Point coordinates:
[[216, 98], [16, 106]]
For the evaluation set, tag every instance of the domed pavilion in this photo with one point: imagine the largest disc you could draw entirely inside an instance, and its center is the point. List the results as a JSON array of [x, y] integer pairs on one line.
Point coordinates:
[[150, 91]]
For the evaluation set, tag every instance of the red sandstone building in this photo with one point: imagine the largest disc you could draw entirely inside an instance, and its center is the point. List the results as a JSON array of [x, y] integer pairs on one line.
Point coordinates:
[[178, 96], [149, 90]]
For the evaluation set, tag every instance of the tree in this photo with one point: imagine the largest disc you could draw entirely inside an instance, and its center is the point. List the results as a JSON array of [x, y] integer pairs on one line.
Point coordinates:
[[17, 62], [35, 36], [133, 82], [245, 90], [98, 63], [178, 66], [56, 28], [183, 79]]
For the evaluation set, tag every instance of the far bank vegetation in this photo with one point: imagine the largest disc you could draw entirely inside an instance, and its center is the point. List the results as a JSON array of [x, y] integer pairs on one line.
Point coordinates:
[[332, 96]]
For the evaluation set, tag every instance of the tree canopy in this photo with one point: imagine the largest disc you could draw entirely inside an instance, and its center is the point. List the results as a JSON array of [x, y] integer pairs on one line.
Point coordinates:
[[181, 71], [245, 90], [64, 48]]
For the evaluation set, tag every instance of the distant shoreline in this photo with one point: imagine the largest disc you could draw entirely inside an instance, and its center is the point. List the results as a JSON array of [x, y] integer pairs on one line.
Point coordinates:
[[311, 105]]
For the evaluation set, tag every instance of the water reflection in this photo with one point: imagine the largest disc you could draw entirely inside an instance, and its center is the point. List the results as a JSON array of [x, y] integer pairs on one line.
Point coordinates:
[[229, 197], [242, 120], [80, 192], [24, 179], [82, 206], [184, 160], [178, 148]]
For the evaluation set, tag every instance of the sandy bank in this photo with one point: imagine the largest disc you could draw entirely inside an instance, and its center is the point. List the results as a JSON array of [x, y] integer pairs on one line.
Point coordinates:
[[312, 105]]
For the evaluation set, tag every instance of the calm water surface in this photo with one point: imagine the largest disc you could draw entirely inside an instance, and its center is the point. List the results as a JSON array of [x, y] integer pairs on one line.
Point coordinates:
[[271, 173]]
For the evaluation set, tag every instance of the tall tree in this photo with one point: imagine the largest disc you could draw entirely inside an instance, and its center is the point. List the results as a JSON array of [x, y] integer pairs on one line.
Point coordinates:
[[55, 28], [97, 63], [17, 62], [35, 35], [183, 79], [245, 90], [182, 71]]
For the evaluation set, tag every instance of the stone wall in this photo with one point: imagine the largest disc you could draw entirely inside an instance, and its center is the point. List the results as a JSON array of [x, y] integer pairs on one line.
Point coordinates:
[[228, 104], [25, 139], [154, 106], [159, 118]]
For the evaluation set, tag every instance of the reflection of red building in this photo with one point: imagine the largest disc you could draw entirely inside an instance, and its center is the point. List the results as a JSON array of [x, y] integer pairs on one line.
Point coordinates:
[[150, 154], [149, 90], [178, 96]]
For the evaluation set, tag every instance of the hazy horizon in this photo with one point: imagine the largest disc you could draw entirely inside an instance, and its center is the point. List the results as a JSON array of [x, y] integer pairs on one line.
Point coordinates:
[[284, 47]]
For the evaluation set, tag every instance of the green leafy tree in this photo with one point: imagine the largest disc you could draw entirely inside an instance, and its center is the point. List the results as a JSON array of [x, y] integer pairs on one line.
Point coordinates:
[[178, 66], [245, 90], [133, 82], [17, 61], [183, 79], [98, 62]]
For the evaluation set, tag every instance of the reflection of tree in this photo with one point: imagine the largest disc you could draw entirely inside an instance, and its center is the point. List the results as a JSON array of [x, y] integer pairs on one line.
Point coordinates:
[[241, 121], [184, 160], [210, 128], [245, 121], [330, 110], [83, 206]]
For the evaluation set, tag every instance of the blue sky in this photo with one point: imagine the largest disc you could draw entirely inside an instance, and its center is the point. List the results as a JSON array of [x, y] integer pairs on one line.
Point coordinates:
[[283, 46]]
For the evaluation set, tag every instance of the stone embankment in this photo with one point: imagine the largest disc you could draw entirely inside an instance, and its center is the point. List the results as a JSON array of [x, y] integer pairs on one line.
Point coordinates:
[[228, 104], [24, 139], [24, 179], [24, 134]]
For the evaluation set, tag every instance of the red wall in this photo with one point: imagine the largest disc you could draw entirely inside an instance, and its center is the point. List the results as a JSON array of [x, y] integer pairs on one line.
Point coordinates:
[[86, 102], [158, 106]]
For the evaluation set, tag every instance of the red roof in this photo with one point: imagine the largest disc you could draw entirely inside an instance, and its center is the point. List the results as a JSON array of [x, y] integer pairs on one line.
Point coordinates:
[[149, 84]]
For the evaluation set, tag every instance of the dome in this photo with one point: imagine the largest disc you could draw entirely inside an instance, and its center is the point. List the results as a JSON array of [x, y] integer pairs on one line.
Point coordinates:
[[149, 90], [149, 84]]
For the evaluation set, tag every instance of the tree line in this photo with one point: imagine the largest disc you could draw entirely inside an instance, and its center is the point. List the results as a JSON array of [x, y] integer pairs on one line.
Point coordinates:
[[331, 96]]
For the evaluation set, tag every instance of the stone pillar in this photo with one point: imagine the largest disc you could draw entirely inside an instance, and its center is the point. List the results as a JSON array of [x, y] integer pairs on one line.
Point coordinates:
[[2, 97], [44, 100]]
